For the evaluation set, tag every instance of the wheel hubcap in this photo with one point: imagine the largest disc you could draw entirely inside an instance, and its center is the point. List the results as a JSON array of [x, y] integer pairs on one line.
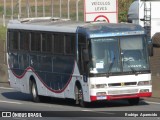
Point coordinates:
[[33, 91]]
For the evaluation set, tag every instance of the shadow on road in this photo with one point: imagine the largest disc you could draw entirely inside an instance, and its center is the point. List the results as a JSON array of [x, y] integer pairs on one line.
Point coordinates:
[[68, 102], [17, 96]]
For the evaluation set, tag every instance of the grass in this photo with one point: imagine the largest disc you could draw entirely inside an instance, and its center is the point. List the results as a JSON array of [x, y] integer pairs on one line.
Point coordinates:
[[123, 6], [2, 33]]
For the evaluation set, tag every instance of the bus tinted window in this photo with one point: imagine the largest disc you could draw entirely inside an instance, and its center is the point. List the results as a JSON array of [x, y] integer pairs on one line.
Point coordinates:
[[24, 40], [13, 60], [23, 61], [59, 44], [69, 44], [13, 40], [81, 39], [46, 63], [35, 41], [46, 42]]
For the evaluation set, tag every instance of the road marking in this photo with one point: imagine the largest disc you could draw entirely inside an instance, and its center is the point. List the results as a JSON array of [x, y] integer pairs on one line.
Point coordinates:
[[7, 88], [86, 110], [19, 119], [1, 101], [104, 112], [98, 112], [153, 102]]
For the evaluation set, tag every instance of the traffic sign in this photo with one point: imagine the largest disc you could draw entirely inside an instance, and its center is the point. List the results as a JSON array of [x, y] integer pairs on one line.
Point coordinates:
[[101, 10]]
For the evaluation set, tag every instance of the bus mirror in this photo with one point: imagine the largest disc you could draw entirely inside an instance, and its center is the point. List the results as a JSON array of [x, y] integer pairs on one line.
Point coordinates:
[[85, 55], [150, 49]]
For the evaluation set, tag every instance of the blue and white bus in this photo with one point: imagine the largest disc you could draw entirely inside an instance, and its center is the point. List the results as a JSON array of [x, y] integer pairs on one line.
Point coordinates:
[[86, 62]]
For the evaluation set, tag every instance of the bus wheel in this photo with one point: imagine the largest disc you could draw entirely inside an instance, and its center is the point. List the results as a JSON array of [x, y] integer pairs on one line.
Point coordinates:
[[34, 92], [133, 101], [79, 96]]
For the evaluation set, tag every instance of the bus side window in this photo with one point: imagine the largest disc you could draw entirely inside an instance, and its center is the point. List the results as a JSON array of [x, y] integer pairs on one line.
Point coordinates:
[[35, 41], [47, 42], [45, 63], [24, 40], [70, 44], [34, 62], [13, 40], [13, 61], [58, 44]]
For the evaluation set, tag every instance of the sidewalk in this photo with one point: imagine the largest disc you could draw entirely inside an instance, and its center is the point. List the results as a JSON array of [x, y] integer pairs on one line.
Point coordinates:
[[152, 99]]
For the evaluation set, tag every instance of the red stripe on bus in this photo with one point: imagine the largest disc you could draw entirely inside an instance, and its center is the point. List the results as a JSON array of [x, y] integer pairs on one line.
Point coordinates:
[[116, 97]]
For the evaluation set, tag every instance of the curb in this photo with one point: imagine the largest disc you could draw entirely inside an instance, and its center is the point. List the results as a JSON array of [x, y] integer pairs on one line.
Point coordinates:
[[4, 84], [152, 99]]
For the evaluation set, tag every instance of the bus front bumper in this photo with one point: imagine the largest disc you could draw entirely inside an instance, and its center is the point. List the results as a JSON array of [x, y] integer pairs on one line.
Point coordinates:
[[123, 96]]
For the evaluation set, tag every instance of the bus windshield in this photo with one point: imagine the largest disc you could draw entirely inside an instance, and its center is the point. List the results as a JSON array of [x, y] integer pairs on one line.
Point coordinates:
[[118, 54]]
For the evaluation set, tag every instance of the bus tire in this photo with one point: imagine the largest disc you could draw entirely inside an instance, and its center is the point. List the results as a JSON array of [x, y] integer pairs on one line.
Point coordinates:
[[133, 101], [79, 96], [34, 92]]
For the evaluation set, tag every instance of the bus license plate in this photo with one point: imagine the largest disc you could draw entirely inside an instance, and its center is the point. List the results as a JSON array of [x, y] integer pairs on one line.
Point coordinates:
[[101, 97]]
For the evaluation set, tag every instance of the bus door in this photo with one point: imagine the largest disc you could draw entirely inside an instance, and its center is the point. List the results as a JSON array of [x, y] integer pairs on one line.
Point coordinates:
[[82, 64]]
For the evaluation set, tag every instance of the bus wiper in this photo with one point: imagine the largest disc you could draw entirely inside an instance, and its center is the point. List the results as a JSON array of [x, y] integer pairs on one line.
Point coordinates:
[[133, 70], [110, 67]]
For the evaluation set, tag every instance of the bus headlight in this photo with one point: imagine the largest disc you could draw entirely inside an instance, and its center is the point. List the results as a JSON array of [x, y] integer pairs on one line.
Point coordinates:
[[144, 90], [143, 83], [93, 86]]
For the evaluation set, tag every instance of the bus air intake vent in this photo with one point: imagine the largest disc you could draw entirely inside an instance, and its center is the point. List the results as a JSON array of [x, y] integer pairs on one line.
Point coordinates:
[[122, 84], [120, 92]]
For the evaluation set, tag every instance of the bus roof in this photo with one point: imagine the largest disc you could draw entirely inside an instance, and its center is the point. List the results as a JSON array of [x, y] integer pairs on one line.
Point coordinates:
[[44, 24], [65, 25], [111, 29]]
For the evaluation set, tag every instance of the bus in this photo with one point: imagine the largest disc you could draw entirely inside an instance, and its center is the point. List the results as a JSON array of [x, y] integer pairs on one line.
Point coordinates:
[[86, 62]]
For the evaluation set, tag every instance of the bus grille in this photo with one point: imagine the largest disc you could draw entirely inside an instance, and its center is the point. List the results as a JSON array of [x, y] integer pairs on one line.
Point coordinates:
[[119, 92], [120, 84]]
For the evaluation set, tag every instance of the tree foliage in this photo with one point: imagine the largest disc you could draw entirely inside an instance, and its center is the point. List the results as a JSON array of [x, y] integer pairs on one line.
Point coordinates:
[[123, 6]]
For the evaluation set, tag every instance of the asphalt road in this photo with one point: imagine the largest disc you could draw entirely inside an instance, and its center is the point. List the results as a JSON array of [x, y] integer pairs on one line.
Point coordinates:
[[14, 101]]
